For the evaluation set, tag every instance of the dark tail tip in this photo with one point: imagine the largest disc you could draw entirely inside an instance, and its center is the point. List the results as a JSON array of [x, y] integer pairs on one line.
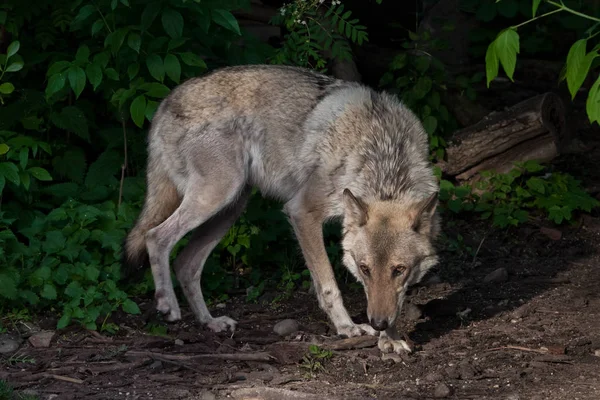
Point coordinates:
[[133, 266]]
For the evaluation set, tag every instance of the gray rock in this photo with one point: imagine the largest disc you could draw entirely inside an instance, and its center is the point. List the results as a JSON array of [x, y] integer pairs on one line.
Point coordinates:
[[8, 344], [207, 396], [433, 377], [286, 327], [496, 276], [178, 342], [41, 339], [441, 391], [452, 373]]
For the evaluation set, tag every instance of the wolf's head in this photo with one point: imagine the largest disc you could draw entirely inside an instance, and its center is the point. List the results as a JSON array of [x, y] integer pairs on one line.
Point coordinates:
[[388, 247]]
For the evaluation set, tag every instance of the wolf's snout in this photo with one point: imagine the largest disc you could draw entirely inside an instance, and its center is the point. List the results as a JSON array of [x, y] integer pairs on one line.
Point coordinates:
[[379, 324]]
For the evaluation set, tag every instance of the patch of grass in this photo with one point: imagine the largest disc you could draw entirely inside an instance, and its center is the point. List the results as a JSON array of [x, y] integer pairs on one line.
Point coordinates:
[[313, 362]]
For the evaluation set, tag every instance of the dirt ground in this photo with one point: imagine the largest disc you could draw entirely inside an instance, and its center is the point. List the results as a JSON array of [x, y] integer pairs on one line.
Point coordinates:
[[530, 333]]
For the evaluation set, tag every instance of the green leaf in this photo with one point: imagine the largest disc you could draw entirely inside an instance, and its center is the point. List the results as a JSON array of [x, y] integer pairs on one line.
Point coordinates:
[[192, 60], [138, 109], [150, 109], [13, 48], [172, 22], [73, 120], [133, 70], [8, 287], [55, 242], [92, 273], [40, 174], [58, 67], [4, 148], [422, 87], [74, 290], [7, 88], [14, 67], [578, 65], [23, 157], [226, 20], [83, 53], [130, 307], [536, 184], [593, 102], [102, 170], [64, 321], [112, 74], [149, 15], [10, 171], [134, 40], [97, 26], [55, 83], [76, 80], [156, 67], [115, 39], [48, 291], [175, 43], [534, 7], [94, 75], [155, 89], [430, 124], [172, 67], [507, 48]]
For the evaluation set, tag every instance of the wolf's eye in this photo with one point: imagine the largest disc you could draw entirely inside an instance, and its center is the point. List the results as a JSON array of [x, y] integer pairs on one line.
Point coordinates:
[[364, 269], [398, 270]]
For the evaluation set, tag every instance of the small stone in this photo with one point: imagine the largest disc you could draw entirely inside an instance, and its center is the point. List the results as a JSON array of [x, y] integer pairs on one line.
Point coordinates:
[[208, 396], [286, 327], [156, 365], [498, 275], [553, 234], [8, 345], [597, 353], [220, 305], [41, 339], [413, 312], [178, 342], [441, 391], [433, 377], [452, 373]]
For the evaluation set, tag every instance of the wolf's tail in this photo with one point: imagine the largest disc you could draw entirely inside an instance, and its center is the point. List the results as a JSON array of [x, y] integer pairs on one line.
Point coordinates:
[[160, 202]]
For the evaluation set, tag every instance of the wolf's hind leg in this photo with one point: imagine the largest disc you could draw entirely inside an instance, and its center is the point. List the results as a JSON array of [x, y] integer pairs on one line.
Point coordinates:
[[203, 199], [190, 262]]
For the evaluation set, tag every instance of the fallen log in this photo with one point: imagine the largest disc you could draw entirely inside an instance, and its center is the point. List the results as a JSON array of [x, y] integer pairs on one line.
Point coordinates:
[[534, 129]]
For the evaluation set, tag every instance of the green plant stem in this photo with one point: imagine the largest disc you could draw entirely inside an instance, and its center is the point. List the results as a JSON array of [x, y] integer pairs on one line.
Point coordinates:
[[538, 17], [570, 10], [102, 16]]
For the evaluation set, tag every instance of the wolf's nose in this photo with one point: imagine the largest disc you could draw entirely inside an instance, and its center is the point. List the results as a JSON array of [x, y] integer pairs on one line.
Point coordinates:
[[379, 324]]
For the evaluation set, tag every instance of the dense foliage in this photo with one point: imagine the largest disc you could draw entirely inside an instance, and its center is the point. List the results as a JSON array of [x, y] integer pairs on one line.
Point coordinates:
[[79, 83]]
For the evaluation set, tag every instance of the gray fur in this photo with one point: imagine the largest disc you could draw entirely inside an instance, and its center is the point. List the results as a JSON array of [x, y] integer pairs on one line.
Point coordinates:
[[326, 148]]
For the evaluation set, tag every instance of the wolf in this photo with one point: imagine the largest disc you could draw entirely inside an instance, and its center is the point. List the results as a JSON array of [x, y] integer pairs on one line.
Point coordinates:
[[324, 147]]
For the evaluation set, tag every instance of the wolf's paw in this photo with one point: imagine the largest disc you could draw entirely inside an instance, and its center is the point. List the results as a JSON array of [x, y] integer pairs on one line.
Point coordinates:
[[356, 330], [167, 304], [221, 324], [389, 345]]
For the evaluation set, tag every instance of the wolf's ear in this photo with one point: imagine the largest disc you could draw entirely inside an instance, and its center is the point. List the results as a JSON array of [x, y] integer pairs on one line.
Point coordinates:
[[425, 210], [355, 210]]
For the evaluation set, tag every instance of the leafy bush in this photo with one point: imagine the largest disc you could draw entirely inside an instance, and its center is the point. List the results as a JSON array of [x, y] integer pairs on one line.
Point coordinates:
[[504, 49], [509, 199]]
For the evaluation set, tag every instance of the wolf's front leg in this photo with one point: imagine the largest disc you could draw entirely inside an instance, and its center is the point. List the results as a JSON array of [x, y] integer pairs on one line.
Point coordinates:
[[309, 232]]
